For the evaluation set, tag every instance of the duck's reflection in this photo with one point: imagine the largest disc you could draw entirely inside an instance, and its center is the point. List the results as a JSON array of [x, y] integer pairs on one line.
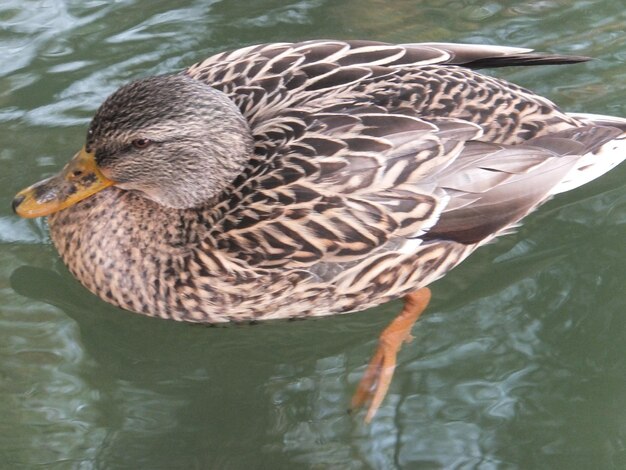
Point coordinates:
[[481, 376], [161, 394]]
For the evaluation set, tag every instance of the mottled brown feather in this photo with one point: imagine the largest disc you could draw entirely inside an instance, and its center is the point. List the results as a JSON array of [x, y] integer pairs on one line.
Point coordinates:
[[376, 169]]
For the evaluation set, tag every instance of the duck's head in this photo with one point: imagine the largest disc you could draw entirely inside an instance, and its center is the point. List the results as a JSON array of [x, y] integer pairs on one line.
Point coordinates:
[[174, 139]]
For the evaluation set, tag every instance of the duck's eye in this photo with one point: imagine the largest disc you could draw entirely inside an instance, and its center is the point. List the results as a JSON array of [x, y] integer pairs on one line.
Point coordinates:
[[141, 143]]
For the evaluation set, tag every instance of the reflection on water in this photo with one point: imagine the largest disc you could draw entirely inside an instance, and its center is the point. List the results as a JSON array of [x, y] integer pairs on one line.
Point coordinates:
[[519, 363]]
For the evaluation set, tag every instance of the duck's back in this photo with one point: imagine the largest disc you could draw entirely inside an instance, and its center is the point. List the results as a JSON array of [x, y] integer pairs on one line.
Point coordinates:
[[430, 79], [396, 136]]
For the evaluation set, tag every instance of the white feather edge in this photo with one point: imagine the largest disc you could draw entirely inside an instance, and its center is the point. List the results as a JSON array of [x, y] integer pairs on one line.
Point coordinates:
[[594, 164]]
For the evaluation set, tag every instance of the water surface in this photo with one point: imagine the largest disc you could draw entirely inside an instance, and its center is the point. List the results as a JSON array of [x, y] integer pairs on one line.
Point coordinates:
[[519, 363]]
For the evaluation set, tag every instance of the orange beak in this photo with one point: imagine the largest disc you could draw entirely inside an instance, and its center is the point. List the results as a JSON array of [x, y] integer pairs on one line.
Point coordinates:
[[78, 180]]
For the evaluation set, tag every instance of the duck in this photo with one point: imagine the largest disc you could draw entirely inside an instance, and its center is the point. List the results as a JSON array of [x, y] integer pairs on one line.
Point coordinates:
[[294, 180]]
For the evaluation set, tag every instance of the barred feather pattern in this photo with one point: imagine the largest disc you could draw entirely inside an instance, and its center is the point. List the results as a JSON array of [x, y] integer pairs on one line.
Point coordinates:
[[377, 169]]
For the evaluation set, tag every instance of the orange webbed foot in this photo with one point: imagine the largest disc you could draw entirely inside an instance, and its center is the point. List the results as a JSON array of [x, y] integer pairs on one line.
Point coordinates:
[[375, 382]]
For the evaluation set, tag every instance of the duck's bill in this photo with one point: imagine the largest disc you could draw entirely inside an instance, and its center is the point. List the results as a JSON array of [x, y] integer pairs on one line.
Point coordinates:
[[78, 180]]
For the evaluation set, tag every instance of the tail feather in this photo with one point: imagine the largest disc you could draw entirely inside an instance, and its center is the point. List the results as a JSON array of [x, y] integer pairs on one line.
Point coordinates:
[[600, 160], [600, 120], [491, 187]]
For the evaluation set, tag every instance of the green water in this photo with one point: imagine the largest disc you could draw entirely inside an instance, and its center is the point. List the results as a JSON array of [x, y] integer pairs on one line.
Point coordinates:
[[519, 363]]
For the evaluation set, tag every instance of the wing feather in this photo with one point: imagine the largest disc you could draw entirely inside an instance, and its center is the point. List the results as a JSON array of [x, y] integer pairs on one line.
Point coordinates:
[[494, 186], [364, 145], [358, 189]]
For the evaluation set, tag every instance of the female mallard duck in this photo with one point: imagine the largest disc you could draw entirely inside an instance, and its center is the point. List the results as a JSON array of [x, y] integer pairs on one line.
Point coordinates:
[[307, 179]]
